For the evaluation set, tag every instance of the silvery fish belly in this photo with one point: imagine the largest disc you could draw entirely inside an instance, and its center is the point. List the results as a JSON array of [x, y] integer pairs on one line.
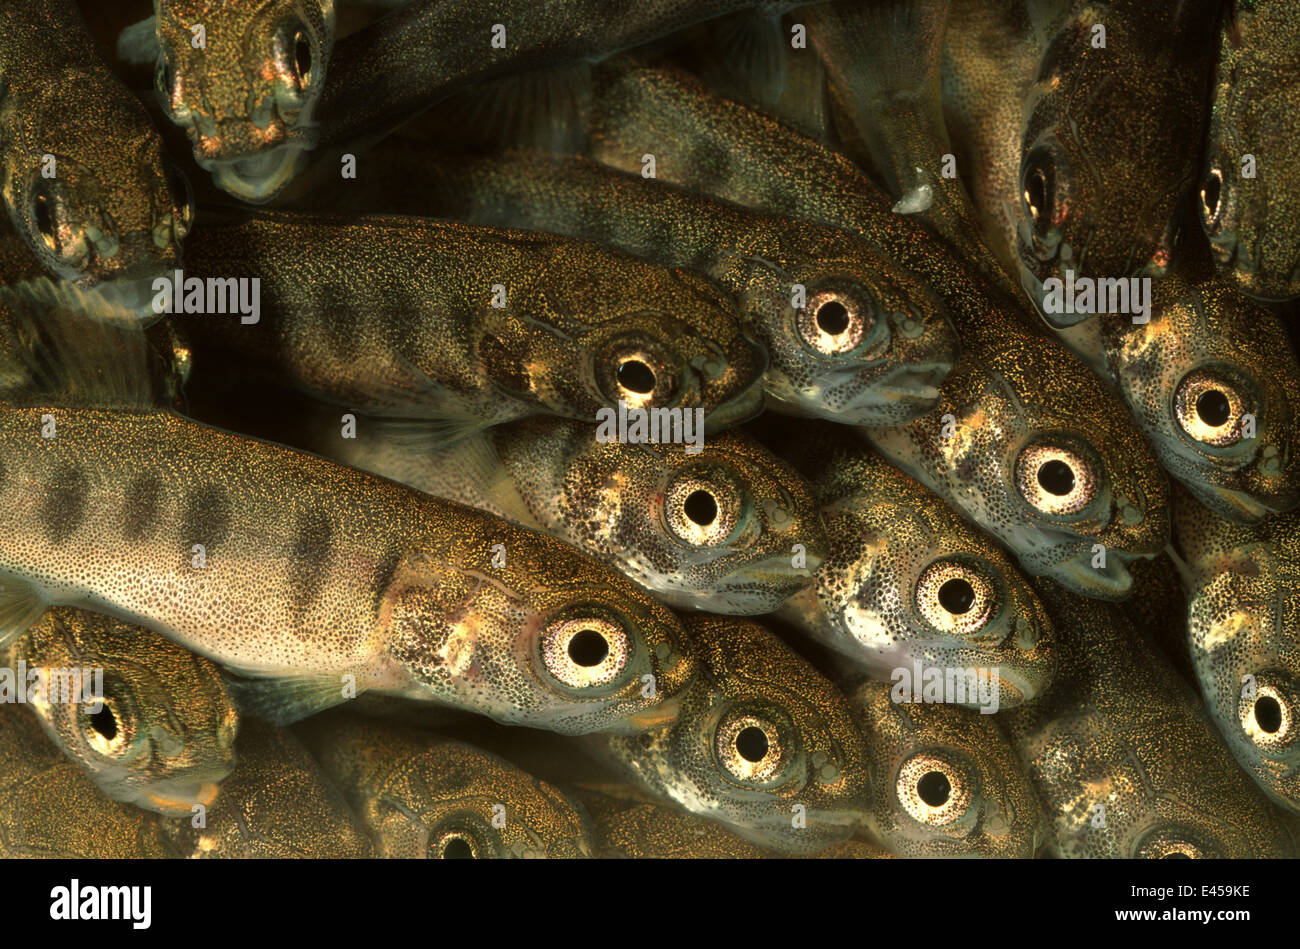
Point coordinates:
[[1123, 757], [907, 582], [462, 326], [424, 797], [151, 723], [763, 744], [82, 171], [1241, 631]]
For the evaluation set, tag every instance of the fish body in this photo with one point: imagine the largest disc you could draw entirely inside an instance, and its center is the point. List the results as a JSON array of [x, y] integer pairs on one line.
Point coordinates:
[[163, 734], [628, 827]]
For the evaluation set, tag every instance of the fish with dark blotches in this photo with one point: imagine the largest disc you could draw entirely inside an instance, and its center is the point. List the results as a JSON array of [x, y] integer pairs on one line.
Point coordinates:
[[1124, 759], [321, 581], [1242, 621], [276, 804], [82, 170], [946, 783], [425, 797], [467, 326], [162, 735], [905, 581], [1025, 440], [763, 744]]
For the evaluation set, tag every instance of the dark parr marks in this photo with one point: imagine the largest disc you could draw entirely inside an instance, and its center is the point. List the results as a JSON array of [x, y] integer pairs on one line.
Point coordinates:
[[64, 504], [384, 572], [711, 165], [140, 507], [311, 555], [207, 517]]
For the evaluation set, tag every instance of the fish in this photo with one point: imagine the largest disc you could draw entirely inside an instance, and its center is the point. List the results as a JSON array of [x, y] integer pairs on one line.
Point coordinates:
[[162, 733], [312, 580], [244, 79], [1242, 605], [850, 336], [398, 317], [1247, 199], [1125, 761], [906, 581], [947, 782], [83, 173], [763, 744], [50, 809], [424, 797], [628, 827], [277, 804], [1026, 441], [721, 524]]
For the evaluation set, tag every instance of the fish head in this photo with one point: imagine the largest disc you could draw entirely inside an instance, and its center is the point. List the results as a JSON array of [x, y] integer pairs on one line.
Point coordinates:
[[247, 96], [763, 744], [851, 336]]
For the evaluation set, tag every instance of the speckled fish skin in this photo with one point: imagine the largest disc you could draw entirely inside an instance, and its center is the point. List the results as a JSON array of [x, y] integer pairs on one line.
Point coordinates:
[[1108, 151], [116, 210], [49, 809], [394, 316], [1255, 110], [314, 571], [947, 781], [1120, 729], [1243, 613], [244, 98], [811, 752], [1017, 398], [424, 797], [894, 546], [878, 366], [277, 804], [166, 734], [626, 827], [625, 504]]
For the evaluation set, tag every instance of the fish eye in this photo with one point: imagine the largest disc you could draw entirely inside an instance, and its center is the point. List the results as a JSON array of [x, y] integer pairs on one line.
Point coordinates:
[[836, 321], [302, 56], [457, 843], [703, 508], [105, 730], [636, 374], [751, 747], [1174, 843], [165, 78], [585, 652], [955, 597], [43, 217], [1038, 184], [1209, 407], [1056, 480], [936, 790], [1212, 199], [182, 199], [1268, 718], [293, 54]]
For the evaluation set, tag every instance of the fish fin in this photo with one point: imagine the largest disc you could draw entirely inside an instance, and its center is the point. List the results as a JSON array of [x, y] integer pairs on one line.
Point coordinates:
[[547, 109], [138, 43], [752, 55], [70, 346], [804, 105], [21, 605], [283, 701]]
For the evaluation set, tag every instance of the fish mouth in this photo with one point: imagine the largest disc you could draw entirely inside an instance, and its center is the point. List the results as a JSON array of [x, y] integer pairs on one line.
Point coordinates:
[[258, 178], [135, 295], [746, 405], [180, 797], [1077, 574], [657, 716], [1233, 504]]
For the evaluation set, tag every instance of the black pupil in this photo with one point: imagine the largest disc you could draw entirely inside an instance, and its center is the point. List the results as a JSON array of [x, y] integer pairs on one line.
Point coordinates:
[[167, 79], [832, 318], [1268, 714], [42, 213], [302, 55], [1176, 855], [1036, 193], [1056, 477], [1213, 407], [752, 743], [104, 723], [956, 596], [934, 789], [458, 848], [1210, 196], [701, 508], [588, 648], [636, 376]]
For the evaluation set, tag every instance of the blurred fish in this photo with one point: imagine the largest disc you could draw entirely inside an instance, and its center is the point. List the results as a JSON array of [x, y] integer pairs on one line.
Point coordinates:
[[321, 581], [400, 317], [424, 797], [82, 170], [1250, 191], [908, 582], [1025, 440], [49, 808], [277, 804], [163, 734], [763, 744], [1244, 612], [1122, 755], [947, 782]]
